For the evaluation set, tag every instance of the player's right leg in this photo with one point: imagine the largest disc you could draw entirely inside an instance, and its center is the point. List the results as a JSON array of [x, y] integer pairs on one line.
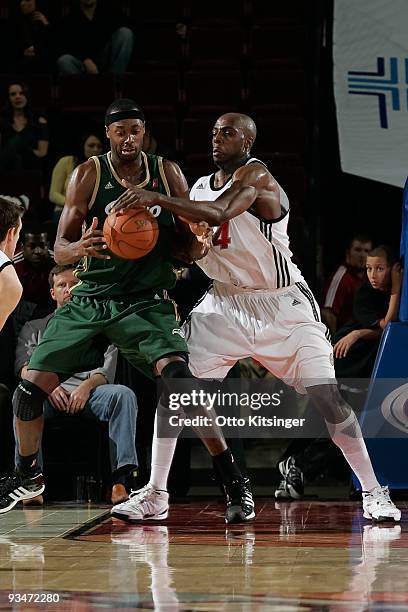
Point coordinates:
[[27, 482]]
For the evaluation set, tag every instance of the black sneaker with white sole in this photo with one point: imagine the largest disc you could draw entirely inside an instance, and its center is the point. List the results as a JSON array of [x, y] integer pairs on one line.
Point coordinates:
[[240, 503], [293, 481], [18, 486]]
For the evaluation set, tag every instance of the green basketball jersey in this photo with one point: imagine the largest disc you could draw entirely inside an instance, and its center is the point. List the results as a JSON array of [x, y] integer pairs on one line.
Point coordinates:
[[116, 277]]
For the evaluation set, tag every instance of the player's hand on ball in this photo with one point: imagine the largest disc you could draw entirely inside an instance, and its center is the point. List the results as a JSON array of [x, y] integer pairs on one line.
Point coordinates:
[[134, 197], [92, 243], [202, 231]]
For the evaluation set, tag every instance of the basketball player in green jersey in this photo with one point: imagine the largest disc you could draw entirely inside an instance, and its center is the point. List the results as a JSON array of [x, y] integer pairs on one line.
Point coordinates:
[[119, 302]]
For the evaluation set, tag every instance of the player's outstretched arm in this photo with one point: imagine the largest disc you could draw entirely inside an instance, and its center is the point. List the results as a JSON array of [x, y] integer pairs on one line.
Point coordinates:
[[232, 203], [187, 247], [71, 244]]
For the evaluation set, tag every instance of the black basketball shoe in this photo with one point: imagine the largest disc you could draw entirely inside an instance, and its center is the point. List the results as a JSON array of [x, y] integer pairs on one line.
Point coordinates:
[[18, 486], [292, 485], [240, 503]]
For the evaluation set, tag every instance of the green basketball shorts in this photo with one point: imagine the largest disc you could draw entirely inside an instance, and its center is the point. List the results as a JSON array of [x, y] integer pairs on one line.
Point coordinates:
[[78, 334]]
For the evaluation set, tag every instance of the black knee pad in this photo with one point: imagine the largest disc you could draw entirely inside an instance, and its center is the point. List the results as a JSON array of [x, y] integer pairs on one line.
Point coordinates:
[[28, 400], [179, 371], [176, 369]]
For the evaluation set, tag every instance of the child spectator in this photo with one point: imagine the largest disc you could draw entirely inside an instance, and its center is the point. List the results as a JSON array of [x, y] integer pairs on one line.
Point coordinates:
[[376, 303]]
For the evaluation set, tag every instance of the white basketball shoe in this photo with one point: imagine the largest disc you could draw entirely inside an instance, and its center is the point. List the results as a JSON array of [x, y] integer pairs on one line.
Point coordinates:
[[377, 505], [147, 504]]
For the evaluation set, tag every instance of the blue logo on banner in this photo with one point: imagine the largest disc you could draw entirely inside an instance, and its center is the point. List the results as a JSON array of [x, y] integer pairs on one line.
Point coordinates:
[[384, 84]]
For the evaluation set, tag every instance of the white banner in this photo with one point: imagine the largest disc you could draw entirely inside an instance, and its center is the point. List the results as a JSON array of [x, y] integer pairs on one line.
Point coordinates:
[[371, 87]]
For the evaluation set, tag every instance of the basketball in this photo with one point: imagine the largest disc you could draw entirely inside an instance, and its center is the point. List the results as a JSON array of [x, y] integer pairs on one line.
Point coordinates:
[[132, 234]]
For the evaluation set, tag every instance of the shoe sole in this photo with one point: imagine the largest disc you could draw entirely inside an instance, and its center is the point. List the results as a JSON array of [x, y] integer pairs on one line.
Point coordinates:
[[381, 519], [281, 495], [26, 496], [239, 519], [128, 519]]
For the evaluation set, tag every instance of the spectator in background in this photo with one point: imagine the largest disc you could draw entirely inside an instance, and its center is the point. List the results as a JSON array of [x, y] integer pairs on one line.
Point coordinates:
[[32, 37], [88, 394], [94, 38], [23, 133], [376, 303], [90, 145], [339, 292], [33, 265]]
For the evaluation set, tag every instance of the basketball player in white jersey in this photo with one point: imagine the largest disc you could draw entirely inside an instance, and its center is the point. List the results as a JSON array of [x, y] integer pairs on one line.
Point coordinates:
[[259, 305], [10, 286]]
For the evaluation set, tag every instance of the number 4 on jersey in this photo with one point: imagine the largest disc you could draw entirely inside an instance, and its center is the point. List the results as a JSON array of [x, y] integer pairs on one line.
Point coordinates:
[[221, 237]]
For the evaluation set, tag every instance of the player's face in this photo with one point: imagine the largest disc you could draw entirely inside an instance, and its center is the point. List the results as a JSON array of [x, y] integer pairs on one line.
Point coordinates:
[[63, 282], [17, 96], [92, 146], [357, 254], [228, 141], [36, 248], [378, 273], [126, 138]]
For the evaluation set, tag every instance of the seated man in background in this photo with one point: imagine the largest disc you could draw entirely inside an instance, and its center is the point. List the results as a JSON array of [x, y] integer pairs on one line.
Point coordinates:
[[94, 38], [90, 394], [338, 294]]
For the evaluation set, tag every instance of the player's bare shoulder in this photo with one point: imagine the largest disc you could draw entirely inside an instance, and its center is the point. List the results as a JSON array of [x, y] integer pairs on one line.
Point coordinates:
[[256, 174], [175, 178], [87, 171], [82, 181]]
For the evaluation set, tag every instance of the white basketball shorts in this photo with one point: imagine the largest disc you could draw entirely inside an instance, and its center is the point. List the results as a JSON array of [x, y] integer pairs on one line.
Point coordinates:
[[281, 329]]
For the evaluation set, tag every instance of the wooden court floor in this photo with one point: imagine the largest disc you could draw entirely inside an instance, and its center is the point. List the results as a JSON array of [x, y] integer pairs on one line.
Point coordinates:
[[306, 555]]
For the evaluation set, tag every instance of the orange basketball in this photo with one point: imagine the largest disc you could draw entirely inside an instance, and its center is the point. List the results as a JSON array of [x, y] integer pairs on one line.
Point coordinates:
[[132, 234]]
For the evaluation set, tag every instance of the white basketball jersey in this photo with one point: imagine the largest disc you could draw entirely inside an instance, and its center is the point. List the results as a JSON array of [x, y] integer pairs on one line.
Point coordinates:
[[4, 260], [247, 251]]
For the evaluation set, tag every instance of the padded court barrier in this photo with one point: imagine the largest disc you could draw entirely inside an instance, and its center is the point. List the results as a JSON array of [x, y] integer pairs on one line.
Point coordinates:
[[387, 451]]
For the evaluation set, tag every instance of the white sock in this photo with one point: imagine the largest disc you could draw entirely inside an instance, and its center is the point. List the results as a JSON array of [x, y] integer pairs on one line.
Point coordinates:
[[349, 438], [162, 449]]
